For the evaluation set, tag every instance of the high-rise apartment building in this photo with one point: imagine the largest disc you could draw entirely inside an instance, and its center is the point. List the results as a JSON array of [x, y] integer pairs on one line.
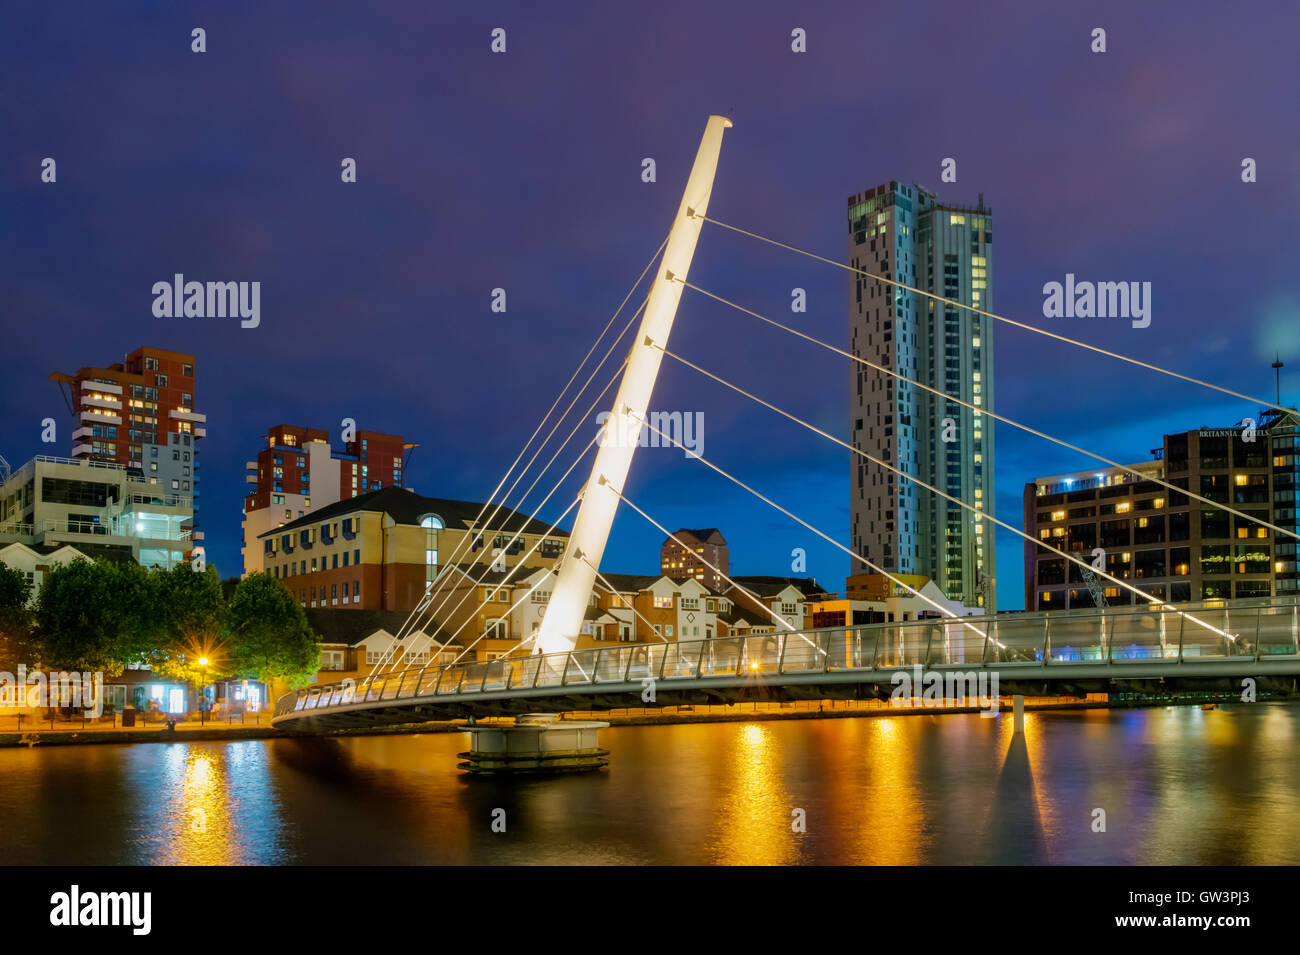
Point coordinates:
[[297, 471], [139, 413], [904, 234]]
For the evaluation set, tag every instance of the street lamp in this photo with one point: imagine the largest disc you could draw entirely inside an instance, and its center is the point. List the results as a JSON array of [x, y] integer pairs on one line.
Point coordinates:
[[203, 694]]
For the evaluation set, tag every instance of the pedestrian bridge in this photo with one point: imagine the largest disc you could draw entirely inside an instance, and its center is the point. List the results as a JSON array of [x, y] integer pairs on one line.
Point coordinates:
[[1061, 653]]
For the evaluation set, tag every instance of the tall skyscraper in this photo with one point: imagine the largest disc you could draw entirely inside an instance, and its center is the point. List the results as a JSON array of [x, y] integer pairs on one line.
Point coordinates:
[[905, 234]]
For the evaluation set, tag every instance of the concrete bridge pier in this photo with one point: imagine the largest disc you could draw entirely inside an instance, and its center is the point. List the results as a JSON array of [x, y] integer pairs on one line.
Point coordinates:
[[535, 743]]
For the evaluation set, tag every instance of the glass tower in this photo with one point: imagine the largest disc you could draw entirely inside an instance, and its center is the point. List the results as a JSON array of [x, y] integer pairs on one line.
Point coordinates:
[[903, 233]]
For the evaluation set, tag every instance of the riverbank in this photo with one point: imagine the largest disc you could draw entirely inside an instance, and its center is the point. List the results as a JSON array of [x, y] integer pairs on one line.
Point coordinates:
[[75, 734]]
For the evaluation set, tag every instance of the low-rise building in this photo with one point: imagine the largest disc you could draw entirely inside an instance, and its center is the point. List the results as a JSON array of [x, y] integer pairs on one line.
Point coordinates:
[[384, 550], [355, 642], [773, 597], [881, 598]]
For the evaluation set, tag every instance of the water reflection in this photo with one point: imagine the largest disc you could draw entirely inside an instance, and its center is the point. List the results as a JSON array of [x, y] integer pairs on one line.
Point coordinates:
[[1178, 785]]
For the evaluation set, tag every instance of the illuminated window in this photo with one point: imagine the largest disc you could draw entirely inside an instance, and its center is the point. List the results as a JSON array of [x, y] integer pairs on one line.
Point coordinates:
[[1123, 507], [956, 220]]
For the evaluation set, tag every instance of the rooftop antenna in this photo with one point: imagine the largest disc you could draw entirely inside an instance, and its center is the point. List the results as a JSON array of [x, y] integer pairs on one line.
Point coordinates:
[[1277, 370]]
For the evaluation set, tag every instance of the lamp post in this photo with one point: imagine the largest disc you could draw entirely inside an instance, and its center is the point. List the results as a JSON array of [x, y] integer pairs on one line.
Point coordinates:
[[203, 692]]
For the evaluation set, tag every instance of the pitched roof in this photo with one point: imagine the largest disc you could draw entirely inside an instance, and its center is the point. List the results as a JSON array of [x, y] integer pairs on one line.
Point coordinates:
[[350, 627], [407, 507], [739, 614], [627, 583], [484, 575], [701, 534], [119, 553], [771, 586]]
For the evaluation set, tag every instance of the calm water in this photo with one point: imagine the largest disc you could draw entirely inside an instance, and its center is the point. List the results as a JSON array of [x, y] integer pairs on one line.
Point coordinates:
[[1179, 785]]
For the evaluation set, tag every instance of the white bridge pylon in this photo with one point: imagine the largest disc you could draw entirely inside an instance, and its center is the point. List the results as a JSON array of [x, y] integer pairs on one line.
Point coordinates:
[[572, 592]]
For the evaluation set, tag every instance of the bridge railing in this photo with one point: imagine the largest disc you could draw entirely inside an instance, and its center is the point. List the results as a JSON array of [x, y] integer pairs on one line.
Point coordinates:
[[1118, 635]]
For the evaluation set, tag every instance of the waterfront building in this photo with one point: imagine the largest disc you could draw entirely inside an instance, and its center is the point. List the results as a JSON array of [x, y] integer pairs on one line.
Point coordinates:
[[139, 414], [353, 642], [297, 471], [876, 598], [905, 234], [384, 549], [1163, 542], [787, 597], [101, 507]]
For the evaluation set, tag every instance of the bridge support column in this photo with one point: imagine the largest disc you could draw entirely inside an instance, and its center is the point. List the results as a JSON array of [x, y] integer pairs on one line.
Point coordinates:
[[1018, 709], [536, 743]]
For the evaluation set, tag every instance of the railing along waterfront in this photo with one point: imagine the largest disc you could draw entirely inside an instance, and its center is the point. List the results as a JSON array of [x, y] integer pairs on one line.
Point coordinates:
[[1242, 630]]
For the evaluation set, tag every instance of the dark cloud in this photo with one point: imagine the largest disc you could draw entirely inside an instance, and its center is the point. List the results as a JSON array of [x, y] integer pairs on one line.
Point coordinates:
[[521, 171]]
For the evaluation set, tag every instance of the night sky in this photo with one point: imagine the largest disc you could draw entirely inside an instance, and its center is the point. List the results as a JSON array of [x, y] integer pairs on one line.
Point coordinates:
[[522, 170]]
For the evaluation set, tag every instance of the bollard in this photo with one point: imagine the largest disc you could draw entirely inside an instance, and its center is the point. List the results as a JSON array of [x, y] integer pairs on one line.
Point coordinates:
[[1018, 705]]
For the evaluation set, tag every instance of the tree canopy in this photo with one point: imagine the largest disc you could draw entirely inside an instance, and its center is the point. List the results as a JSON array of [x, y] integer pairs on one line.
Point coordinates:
[[268, 635], [106, 615], [98, 615]]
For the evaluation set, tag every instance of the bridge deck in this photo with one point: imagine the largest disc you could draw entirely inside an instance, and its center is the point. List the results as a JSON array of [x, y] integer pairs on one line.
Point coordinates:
[[1079, 650]]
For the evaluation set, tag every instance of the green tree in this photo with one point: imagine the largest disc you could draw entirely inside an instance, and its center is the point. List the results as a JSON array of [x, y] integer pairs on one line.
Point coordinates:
[[15, 617], [98, 616], [193, 614], [269, 638]]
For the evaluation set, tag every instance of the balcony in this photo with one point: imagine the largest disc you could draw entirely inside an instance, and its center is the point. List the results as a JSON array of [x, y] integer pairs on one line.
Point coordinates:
[[99, 417], [12, 532], [184, 414], [51, 459], [93, 401], [101, 386]]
